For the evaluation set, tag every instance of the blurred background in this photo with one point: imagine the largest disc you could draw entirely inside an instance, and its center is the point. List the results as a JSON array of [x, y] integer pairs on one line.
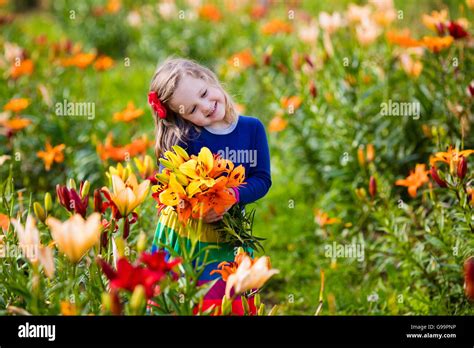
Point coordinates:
[[316, 73]]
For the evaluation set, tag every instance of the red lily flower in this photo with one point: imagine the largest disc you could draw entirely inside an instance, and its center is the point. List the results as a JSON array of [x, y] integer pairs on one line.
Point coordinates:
[[457, 31], [110, 204], [156, 262], [128, 276], [71, 200]]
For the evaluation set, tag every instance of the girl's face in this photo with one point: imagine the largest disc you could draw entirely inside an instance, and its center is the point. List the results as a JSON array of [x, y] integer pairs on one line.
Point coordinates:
[[198, 102]]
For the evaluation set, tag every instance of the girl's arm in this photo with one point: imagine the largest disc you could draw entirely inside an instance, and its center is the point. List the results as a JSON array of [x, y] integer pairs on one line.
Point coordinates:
[[258, 179]]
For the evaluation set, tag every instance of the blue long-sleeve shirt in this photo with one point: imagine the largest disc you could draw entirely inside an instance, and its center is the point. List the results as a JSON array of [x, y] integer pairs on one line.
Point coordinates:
[[245, 143]]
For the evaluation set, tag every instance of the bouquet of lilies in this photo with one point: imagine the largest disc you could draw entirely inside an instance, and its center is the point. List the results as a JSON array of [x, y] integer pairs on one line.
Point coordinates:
[[194, 185]]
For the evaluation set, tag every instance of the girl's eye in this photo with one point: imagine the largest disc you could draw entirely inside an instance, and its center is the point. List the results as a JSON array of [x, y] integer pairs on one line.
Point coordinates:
[[202, 96]]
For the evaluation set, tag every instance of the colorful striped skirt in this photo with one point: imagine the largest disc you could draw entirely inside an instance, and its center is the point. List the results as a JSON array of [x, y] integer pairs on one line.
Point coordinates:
[[174, 236]]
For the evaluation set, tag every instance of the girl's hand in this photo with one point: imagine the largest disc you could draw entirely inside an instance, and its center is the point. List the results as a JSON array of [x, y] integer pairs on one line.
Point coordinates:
[[212, 216]]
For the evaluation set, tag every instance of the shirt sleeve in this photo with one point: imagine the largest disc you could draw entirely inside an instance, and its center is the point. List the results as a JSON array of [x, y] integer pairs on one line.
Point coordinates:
[[258, 179]]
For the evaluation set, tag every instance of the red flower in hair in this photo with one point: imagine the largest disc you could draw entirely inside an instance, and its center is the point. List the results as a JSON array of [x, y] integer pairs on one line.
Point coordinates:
[[156, 104]]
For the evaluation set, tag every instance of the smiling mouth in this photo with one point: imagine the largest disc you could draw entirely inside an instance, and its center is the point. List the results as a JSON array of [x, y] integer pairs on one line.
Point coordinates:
[[213, 110]]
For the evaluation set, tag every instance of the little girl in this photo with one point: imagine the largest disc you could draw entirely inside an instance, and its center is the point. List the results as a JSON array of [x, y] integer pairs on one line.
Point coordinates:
[[192, 109]]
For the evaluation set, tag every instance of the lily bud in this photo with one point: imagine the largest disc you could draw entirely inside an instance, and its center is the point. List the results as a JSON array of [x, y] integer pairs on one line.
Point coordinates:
[[85, 188], [71, 184], [372, 187], [39, 211], [245, 305], [267, 58], [462, 167], [226, 306], [141, 242], [261, 309], [48, 202], [256, 300], [370, 153], [360, 156], [106, 302], [469, 278], [138, 300], [116, 306], [313, 90], [361, 193], [308, 60], [435, 176], [120, 244], [97, 201]]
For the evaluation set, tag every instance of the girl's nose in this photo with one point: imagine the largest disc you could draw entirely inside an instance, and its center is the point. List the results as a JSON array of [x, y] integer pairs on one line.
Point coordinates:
[[207, 108]]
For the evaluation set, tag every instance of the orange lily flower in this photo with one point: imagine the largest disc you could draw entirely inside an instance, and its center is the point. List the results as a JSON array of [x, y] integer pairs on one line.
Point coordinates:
[[210, 13], [17, 104], [323, 218], [236, 177], [80, 60], [277, 124], [52, 154], [103, 63], [226, 268], [16, 124], [276, 26], [451, 157], [415, 180], [240, 108], [130, 113], [4, 222], [68, 308], [113, 6], [242, 60], [294, 101], [121, 153], [214, 198], [437, 44], [25, 68], [402, 39], [258, 11]]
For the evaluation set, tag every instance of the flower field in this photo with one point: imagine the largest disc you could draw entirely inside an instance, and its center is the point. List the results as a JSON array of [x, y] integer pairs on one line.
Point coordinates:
[[368, 108]]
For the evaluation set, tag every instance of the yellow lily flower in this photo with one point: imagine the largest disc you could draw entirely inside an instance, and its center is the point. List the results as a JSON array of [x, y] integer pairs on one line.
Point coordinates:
[[173, 194], [127, 195], [145, 166], [198, 169], [75, 236], [121, 171]]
